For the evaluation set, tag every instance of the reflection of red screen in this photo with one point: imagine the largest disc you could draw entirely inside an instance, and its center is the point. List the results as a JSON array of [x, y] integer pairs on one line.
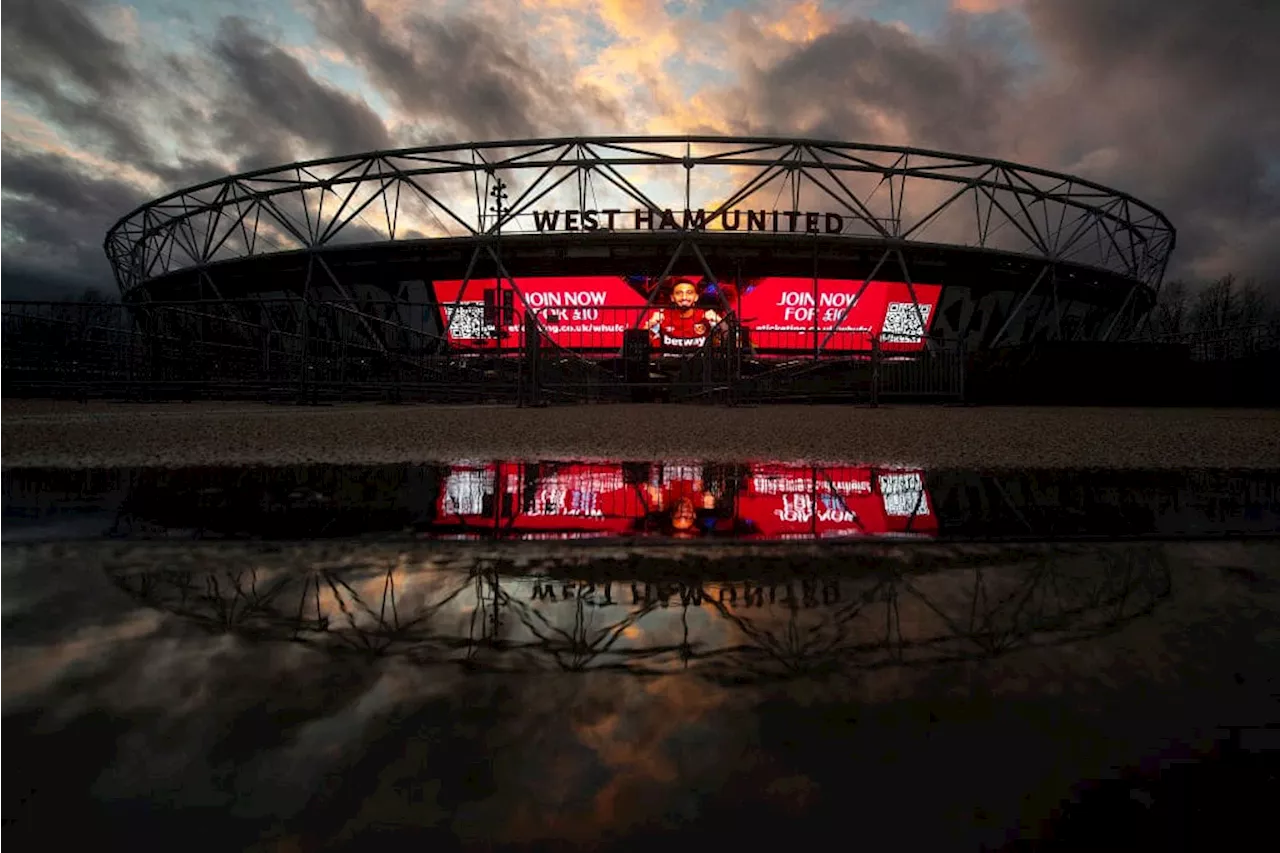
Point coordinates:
[[576, 311], [784, 501], [774, 502], [516, 496], [782, 312]]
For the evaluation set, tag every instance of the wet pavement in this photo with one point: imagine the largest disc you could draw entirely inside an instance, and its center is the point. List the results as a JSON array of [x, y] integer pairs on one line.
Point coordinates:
[[613, 655], [657, 500]]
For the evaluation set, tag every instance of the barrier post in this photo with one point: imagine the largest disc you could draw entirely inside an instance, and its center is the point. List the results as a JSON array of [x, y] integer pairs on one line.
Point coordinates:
[[264, 324], [636, 358], [522, 367], [532, 357], [306, 348], [734, 366], [875, 370]]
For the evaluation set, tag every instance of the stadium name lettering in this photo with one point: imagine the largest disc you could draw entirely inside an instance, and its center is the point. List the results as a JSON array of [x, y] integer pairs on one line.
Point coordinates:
[[773, 221]]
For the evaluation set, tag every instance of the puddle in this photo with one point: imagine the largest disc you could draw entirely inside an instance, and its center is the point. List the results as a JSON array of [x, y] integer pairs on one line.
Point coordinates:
[[492, 653], [511, 653], [737, 614], [675, 501], [324, 690]]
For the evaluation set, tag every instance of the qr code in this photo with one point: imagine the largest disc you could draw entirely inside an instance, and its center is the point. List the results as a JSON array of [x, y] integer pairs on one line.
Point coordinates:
[[466, 322], [903, 495], [906, 320]]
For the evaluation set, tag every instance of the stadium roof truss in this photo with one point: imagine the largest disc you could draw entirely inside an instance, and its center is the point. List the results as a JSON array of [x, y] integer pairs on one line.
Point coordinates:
[[892, 197]]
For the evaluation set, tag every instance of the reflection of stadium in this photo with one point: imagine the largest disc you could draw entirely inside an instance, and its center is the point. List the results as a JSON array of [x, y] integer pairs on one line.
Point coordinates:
[[485, 500], [400, 263], [764, 622]]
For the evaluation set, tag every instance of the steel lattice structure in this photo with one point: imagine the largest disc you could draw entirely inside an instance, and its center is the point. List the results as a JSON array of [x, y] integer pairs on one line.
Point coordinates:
[[1021, 252]]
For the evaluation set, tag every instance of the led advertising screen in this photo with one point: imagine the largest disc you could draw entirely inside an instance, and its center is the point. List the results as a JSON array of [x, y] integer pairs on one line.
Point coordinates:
[[577, 312], [782, 315], [785, 313]]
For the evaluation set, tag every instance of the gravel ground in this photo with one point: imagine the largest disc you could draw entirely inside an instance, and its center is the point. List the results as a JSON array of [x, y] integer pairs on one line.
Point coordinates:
[[68, 434]]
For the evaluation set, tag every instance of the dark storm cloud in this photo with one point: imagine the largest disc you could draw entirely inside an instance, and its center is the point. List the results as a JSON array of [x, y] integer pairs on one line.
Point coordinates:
[[56, 55], [57, 182], [947, 95], [467, 71], [55, 217], [259, 102], [279, 96], [84, 270], [40, 34], [1171, 100], [1204, 46], [1184, 92]]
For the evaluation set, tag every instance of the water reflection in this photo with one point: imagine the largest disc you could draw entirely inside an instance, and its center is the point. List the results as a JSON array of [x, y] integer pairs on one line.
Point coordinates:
[[674, 500], [682, 500], [341, 694], [743, 616]]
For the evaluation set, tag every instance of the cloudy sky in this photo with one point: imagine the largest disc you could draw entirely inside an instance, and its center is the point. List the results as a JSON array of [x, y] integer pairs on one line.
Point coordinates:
[[108, 104]]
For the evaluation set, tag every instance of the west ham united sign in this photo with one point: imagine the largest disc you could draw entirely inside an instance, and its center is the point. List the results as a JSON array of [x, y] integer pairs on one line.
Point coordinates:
[[666, 219]]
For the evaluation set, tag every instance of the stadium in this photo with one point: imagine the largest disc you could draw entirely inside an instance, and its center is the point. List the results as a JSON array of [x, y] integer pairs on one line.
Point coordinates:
[[595, 268]]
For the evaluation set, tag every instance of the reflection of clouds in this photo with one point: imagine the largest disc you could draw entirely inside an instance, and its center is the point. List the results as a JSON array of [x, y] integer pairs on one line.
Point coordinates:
[[181, 708], [30, 671], [895, 611], [638, 747], [633, 743], [333, 746], [332, 740]]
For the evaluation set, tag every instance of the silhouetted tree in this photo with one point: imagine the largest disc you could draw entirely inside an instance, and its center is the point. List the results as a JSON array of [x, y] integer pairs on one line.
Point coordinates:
[[1169, 317], [1227, 303]]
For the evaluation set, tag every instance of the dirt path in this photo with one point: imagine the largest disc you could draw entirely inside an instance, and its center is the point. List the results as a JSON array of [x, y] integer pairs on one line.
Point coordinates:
[[101, 434]]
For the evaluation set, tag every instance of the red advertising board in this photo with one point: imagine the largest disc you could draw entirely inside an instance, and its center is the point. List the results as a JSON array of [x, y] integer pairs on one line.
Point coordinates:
[[577, 312], [784, 313]]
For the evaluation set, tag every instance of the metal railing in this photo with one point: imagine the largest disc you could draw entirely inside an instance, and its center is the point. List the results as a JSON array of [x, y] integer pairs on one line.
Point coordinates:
[[1227, 343], [307, 350]]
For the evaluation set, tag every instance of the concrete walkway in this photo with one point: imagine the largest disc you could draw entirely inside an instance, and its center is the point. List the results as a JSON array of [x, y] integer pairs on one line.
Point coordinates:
[[68, 434]]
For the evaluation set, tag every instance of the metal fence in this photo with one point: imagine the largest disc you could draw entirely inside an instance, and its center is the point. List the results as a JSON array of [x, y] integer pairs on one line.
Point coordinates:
[[312, 351], [1227, 343]]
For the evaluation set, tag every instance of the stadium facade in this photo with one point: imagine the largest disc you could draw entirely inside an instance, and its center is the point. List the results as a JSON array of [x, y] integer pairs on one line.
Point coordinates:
[[804, 248]]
